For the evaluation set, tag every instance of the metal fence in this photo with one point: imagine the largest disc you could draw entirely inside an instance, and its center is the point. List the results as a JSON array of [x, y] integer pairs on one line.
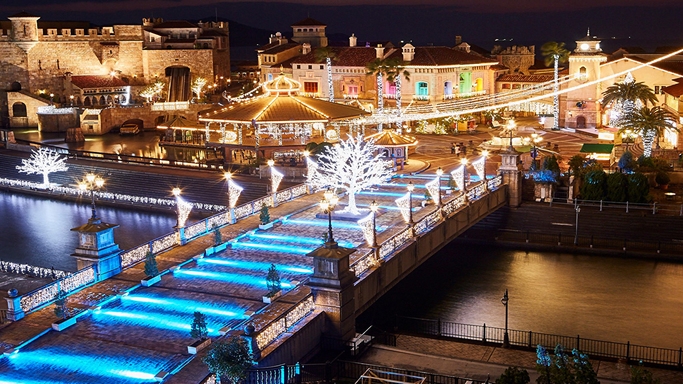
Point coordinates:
[[530, 339]]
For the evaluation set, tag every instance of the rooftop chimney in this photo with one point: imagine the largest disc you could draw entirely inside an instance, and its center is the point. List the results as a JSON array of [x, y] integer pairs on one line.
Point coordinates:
[[458, 40], [305, 48], [352, 40], [408, 52], [380, 51]]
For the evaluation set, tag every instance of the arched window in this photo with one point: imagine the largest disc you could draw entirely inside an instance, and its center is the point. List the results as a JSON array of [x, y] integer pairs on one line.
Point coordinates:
[[421, 88], [448, 88], [583, 74], [19, 109]]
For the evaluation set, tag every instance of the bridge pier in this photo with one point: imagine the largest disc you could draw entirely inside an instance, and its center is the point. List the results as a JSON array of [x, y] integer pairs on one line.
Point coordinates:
[[511, 171]]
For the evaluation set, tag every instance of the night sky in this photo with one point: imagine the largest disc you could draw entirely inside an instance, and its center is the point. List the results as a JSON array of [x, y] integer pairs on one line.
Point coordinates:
[[645, 23]]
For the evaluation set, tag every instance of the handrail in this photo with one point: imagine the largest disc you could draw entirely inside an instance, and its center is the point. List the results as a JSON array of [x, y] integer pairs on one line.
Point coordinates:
[[530, 339], [49, 292]]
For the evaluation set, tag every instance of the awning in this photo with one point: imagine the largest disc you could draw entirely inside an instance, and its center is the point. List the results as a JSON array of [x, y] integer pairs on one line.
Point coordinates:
[[597, 148]]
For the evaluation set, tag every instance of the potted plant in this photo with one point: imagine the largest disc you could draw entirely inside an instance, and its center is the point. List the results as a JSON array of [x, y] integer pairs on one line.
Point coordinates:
[[662, 179], [200, 332], [427, 199], [151, 270], [265, 218], [273, 284], [217, 236], [62, 312]]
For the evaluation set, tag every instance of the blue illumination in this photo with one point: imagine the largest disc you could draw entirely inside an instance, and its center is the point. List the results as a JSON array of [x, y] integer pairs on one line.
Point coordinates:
[[56, 363], [393, 194], [297, 239], [254, 265], [273, 247], [321, 223], [188, 306], [229, 277], [154, 321]]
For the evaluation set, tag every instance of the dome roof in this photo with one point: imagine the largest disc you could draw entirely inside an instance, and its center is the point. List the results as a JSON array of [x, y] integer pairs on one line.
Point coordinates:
[[281, 85]]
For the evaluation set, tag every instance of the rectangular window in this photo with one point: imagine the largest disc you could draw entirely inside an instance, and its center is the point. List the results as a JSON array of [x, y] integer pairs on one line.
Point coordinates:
[[310, 67], [659, 89], [353, 90], [321, 67], [310, 87], [298, 66]]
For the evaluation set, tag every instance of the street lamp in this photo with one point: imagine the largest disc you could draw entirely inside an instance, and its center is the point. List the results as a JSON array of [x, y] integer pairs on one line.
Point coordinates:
[[72, 100], [485, 154], [511, 125], [463, 161], [576, 226], [374, 207], [410, 188], [439, 172], [52, 96], [506, 337], [533, 140], [327, 204], [231, 204], [90, 183]]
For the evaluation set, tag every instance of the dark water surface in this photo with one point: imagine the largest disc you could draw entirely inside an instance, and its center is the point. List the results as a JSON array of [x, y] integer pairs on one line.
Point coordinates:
[[36, 230], [596, 297]]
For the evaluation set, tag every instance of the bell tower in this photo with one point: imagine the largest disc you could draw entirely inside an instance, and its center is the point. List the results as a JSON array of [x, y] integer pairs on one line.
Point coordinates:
[[581, 107]]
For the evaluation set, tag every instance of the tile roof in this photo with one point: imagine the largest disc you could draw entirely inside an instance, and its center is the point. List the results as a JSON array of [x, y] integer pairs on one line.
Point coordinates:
[[154, 31], [675, 90], [308, 22], [516, 77], [84, 82], [389, 138], [432, 56], [675, 66], [280, 48], [282, 109], [344, 57]]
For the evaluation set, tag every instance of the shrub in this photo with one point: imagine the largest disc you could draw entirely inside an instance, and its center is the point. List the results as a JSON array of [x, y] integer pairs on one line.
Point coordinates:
[[662, 178], [576, 164], [217, 236], [640, 375], [594, 185], [273, 280], [199, 329], [626, 162], [617, 187], [638, 188], [265, 215], [514, 375], [229, 358], [151, 268]]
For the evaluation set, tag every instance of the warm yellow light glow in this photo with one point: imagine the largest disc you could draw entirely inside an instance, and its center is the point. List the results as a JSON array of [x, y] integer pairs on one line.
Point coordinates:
[[410, 186], [485, 153], [324, 205], [463, 161], [439, 171], [176, 191], [90, 177], [307, 153], [227, 175], [271, 162], [82, 186], [99, 182], [374, 206]]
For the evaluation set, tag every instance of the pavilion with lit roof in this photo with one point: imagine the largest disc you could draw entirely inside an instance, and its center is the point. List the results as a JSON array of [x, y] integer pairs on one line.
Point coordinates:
[[394, 145], [278, 122]]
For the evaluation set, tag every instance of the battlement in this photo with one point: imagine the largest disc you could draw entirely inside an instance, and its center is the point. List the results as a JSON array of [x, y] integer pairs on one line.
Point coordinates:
[[120, 32]]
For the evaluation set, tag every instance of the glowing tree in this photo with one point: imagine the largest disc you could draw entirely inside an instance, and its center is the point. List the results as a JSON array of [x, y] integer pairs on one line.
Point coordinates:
[[327, 54], [351, 165], [395, 70], [555, 53], [198, 85], [650, 123], [152, 90], [43, 161], [625, 98]]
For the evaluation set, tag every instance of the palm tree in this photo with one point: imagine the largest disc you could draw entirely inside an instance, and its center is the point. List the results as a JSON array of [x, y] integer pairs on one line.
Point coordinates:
[[649, 123], [327, 54], [378, 67], [626, 96], [395, 70], [555, 53]]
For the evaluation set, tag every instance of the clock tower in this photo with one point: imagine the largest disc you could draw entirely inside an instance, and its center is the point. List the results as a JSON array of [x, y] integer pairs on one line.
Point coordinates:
[[581, 107]]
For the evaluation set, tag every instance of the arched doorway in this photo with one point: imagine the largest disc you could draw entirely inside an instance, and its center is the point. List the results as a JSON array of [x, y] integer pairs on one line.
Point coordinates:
[[448, 88], [178, 83], [580, 122], [19, 110], [15, 86]]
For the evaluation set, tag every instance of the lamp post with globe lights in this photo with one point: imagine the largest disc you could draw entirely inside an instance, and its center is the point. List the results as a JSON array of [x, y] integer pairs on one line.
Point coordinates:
[[327, 204], [506, 337], [91, 182]]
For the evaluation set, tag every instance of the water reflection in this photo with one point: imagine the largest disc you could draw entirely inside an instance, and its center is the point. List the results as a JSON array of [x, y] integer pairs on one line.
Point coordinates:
[[595, 297], [36, 231]]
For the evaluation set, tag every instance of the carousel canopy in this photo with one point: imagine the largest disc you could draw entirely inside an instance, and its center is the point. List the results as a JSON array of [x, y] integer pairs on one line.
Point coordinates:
[[180, 122], [389, 138], [281, 104]]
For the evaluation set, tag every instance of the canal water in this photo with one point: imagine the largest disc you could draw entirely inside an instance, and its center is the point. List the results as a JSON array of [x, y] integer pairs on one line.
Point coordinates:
[[36, 230], [597, 297]]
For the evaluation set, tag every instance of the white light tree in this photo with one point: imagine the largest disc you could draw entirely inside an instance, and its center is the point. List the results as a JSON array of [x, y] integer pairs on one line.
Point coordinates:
[[351, 165], [152, 90], [198, 86], [43, 161]]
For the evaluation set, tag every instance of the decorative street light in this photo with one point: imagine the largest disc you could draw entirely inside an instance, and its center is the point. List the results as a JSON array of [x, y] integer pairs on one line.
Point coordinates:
[[374, 207], [90, 183], [485, 155], [72, 100], [234, 191], [410, 188], [327, 204], [183, 208], [52, 96], [506, 337], [576, 226], [511, 125], [439, 172], [533, 140], [463, 161]]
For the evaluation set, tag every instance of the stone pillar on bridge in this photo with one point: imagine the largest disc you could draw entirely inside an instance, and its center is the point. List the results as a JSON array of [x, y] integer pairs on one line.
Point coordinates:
[[96, 246], [333, 289], [511, 170]]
